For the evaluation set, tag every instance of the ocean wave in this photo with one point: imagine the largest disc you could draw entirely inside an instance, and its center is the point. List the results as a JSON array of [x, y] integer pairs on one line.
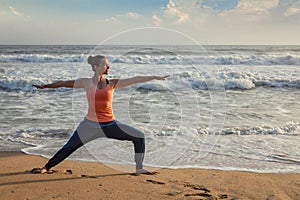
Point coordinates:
[[15, 85], [173, 59], [210, 60], [38, 137], [197, 81], [291, 129], [257, 60], [279, 83], [223, 80], [42, 58], [35, 133], [24, 85]]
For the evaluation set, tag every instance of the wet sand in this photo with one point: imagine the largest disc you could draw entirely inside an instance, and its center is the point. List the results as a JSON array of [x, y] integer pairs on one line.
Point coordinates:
[[90, 180]]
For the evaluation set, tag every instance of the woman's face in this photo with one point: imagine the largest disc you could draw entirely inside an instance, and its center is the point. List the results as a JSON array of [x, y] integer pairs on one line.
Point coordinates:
[[103, 67]]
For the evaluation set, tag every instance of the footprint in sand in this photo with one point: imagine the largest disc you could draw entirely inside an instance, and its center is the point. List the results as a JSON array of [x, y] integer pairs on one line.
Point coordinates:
[[87, 176], [205, 192], [198, 194], [155, 182]]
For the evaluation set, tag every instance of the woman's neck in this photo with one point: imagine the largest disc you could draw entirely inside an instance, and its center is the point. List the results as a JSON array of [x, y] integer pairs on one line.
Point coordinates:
[[99, 78]]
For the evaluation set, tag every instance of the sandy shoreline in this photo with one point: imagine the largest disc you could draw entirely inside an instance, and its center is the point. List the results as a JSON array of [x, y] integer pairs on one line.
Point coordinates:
[[97, 181]]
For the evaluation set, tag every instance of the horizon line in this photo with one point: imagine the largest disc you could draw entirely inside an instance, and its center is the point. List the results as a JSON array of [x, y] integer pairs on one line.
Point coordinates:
[[225, 44]]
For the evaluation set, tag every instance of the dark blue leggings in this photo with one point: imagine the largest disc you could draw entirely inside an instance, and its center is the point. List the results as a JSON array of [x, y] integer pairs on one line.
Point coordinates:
[[88, 131]]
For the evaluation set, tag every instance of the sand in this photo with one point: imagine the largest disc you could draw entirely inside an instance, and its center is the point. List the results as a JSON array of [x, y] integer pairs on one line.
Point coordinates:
[[90, 180]]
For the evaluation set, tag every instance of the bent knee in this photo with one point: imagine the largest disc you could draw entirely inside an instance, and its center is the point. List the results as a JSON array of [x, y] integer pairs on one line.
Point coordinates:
[[131, 131], [140, 135]]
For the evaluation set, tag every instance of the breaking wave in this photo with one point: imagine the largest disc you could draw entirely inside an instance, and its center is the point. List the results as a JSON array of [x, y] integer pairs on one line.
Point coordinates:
[[139, 58]]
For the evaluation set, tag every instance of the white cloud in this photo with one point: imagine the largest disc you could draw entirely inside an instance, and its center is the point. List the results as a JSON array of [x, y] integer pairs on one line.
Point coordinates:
[[132, 15], [257, 4], [250, 21], [292, 8], [125, 16], [156, 20], [15, 12], [173, 11], [256, 8], [291, 11], [180, 12]]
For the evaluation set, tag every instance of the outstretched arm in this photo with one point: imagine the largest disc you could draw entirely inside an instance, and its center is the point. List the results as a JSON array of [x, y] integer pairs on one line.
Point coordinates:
[[121, 83], [80, 83]]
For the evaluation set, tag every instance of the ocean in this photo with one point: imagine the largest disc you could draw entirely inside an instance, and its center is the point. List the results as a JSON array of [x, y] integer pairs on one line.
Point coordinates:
[[223, 107]]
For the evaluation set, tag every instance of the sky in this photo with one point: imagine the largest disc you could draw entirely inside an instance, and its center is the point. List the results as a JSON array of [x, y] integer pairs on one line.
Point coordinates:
[[215, 22]]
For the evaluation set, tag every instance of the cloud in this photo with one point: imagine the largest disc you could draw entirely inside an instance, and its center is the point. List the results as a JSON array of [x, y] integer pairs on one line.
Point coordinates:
[[208, 21], [254, 5], [132, 15], [199, 12], [219, 4], [125, 16], [291, 11], [174, 12], [156, 20], [249, 21], [15, 12], [255, 8], [292, 8]]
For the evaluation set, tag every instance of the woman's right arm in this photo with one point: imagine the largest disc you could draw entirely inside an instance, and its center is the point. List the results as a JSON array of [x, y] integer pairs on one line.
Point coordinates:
[[79, 83]]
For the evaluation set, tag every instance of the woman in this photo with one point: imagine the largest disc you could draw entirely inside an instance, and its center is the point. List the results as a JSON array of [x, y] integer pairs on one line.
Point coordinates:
[[100, 121]]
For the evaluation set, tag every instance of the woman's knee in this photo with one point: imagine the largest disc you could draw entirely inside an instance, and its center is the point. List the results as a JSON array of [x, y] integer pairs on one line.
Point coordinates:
[[74, 142], [131, 131], [140, 135]]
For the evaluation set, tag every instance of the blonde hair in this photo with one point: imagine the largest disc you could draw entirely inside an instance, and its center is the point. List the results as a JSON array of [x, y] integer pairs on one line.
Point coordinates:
[[95, 60]]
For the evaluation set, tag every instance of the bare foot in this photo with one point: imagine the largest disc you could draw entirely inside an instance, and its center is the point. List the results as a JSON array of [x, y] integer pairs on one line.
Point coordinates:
[[42, 170], [143, 171]]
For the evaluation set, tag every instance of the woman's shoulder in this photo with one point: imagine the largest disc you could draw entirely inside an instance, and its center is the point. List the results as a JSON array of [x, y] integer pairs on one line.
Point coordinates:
[[113, 82], [85, 82]]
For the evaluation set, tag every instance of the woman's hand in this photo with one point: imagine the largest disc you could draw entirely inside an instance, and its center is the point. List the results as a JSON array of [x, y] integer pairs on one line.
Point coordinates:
[[162, 77], [39, 86], [121, 83]]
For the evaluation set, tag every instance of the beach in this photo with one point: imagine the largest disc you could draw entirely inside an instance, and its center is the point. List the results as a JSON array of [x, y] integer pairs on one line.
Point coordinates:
[[92, 180], [223, 107], [224, 125]]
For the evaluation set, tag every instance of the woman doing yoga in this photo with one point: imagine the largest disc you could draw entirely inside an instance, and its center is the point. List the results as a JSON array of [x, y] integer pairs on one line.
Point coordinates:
[[99, 120]]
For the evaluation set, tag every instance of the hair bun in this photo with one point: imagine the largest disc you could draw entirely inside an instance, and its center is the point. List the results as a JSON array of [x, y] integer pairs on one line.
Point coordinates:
[[90, 60], [95, 60]]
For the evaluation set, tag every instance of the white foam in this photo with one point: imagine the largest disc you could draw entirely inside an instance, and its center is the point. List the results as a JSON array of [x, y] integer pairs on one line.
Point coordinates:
[[42, 58], [290, 128], [161, 59]]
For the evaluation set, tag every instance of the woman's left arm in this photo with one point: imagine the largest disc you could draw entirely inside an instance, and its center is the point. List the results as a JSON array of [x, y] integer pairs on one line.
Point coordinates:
[[121, 83]]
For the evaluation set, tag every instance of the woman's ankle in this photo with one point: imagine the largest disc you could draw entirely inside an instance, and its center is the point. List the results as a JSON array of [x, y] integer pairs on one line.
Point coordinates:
[[44, 170]]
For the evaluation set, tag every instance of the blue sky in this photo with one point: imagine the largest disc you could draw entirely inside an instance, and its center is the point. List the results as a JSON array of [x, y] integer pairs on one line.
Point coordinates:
[[206, 21], [87, 7]]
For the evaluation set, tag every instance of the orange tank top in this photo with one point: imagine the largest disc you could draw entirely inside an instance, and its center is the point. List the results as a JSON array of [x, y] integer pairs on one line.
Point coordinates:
[[100, 103]]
